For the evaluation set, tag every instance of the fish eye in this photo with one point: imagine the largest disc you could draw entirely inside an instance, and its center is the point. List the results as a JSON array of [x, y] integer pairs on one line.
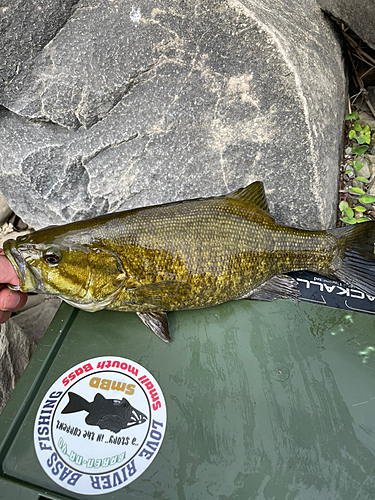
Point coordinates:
[[52, 258]]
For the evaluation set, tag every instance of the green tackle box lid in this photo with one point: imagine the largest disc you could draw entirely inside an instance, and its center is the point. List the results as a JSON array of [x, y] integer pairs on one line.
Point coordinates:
[[251, 400]]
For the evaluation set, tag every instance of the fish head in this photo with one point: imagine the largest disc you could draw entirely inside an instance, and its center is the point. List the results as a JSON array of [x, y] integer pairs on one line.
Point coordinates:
[[86, 275]]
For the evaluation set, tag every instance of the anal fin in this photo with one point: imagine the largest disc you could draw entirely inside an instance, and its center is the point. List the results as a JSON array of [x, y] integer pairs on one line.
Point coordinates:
[[157, 322], [278, 287]]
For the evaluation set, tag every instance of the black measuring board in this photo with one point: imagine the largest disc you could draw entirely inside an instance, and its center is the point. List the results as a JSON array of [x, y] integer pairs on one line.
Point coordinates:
[[327, 292]]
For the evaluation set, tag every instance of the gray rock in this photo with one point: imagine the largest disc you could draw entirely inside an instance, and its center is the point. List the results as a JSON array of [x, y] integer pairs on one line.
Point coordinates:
[[35, 318], [7, 232], [371, 159], [367, 118], [359, 16], [371, 94], [26, 28], [130, 106], [5, 210], [15, 352], [365, 170]]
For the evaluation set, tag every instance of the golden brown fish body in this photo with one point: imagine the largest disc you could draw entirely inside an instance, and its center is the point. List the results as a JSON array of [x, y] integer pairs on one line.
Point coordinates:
[[206, 252], [183, 255]]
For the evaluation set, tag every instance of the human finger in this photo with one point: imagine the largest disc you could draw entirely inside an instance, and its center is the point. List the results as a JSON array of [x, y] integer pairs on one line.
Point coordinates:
[[7, 272], [11, 300]]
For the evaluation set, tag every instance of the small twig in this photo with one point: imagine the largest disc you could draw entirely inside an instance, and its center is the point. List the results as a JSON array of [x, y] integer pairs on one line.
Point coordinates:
[[360, 85], [356, 76], [355, 97], [357, 48], [361, 58], [368, 71]]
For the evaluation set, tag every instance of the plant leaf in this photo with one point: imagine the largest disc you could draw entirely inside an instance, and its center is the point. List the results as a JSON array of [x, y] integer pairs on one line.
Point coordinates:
[[349, 220], [357, 127], [352, 116], [362, 179], [359, 208], [349, 212], [360, 140], [366, 199], [365, 129], [351, 134], [363, 219], [359, 150], [357, 191], [343, 205], [358, 165]]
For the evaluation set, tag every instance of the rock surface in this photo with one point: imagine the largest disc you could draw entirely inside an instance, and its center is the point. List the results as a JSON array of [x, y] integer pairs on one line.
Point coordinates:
[[360, 17], [5, 210], [26, 28], [371, 92], [15, 352], [36, 316], [131, 105]]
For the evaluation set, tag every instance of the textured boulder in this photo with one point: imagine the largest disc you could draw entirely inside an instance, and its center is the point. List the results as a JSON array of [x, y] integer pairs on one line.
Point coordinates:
[[5, 211], [359, 16], [26, 28], [36, 316], [15, 352], [136, 105]]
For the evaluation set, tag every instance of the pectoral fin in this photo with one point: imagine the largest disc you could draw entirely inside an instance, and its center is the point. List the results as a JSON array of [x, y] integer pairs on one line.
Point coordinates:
[[278, 287], [157, 322]]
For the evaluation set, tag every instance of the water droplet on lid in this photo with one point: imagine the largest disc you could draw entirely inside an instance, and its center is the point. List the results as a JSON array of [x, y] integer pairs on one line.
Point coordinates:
[[280, 373]]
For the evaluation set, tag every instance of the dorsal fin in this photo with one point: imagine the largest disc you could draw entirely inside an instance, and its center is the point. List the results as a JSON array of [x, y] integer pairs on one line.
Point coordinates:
[[254, 194]]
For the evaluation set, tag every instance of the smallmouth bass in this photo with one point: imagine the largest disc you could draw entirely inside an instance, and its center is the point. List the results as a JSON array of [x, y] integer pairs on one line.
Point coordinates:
[[186, 255]]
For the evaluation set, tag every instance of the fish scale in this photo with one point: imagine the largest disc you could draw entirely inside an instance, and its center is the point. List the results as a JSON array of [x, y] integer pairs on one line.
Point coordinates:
[[186, 255]]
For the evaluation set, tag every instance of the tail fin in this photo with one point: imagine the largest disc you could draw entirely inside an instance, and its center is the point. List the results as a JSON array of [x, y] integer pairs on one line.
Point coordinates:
[[356, 267], [76, 403]]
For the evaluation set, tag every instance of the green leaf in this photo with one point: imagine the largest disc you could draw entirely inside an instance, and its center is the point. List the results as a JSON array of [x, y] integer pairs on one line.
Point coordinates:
[[367, 139], [349, 220], [351, 134], [356, 191], [349, 212], [366, 199], [359, 150], [359, 208], [352, 116], [362, 179], [358, 165], [343, 205], [362, 219], [357, 127], [360, 140], [365, 129]]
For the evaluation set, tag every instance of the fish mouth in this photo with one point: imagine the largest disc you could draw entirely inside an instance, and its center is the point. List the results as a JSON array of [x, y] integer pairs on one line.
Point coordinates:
[[27, 281]]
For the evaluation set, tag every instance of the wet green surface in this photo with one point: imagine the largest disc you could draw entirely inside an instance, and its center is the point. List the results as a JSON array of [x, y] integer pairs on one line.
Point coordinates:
[[264, 401]]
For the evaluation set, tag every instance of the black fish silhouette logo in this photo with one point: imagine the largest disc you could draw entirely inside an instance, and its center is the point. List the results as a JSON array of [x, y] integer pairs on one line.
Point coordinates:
[[111, 414]]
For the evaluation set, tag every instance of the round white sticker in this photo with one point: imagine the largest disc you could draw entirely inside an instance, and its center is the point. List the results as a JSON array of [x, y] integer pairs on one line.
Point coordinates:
[[100, 425]]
